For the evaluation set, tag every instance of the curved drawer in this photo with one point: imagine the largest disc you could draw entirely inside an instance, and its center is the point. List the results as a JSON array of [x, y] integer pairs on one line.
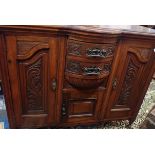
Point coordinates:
[[88, 68], [90, 50], [81, 74], [85, 82]]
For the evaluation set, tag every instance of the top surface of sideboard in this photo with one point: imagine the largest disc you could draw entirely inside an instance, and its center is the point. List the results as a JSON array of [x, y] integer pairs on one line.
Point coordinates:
[[133, 30]]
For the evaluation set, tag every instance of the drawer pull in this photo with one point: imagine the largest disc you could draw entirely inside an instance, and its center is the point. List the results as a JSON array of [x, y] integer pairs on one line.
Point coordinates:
[[96, 52], [92, 70]]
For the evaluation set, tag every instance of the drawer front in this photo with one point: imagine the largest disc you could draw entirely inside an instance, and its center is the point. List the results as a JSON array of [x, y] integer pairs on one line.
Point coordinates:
[[90, 50], [88, 68], [85, 74]]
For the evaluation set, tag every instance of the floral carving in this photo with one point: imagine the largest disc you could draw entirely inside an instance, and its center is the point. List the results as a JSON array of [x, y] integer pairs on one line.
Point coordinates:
[[107, 67], [34, 86], [73, 67], [131, 75], [74, 48]]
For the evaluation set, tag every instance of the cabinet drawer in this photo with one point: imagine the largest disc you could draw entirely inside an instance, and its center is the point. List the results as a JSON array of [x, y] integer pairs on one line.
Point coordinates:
[[84, 75], [90, 50], [86, 68]]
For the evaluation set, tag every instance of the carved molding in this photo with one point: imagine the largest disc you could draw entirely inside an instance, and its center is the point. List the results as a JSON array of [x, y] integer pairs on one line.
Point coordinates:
[[24, 46], [30, 50]]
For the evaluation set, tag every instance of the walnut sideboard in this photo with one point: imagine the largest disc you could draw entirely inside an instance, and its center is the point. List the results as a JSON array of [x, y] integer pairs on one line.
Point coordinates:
[[62, 76]]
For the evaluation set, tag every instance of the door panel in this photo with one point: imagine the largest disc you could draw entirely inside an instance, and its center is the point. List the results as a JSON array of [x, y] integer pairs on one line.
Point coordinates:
[[32, 67], [129, 81], [81, 106]]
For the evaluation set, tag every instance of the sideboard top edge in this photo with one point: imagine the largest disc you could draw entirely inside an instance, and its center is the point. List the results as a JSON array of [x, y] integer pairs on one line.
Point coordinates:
[[113, 30]]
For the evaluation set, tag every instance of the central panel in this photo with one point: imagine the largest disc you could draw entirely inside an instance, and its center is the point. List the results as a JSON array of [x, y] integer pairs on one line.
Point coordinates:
[[87, 70]]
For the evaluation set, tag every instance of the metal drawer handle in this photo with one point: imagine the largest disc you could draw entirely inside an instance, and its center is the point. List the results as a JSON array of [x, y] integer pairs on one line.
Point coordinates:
[[96, 52], [92, 70]]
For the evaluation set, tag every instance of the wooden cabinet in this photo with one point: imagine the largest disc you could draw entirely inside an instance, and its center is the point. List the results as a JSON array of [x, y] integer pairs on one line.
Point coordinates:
[[74, 75], [32, 65]]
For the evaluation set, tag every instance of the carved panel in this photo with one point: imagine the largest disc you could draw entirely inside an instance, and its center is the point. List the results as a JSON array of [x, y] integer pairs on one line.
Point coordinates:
[[33, 81], [129, 82], [34, 86]]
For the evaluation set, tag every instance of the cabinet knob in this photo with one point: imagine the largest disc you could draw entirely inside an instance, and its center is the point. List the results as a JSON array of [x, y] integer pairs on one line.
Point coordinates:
[[114, 84], [54, 84]]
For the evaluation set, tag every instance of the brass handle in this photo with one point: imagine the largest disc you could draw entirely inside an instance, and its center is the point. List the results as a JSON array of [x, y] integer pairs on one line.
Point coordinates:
[[54, 84], [114, 84], [92, 70], [96, 52]]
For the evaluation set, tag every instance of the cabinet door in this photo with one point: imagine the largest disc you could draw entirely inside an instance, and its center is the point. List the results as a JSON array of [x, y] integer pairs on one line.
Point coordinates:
[[81, 107], [130, 80], [32, 69]]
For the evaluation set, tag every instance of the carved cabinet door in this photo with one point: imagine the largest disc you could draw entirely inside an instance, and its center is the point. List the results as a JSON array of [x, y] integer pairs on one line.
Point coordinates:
[[130, 80], [32, 71]]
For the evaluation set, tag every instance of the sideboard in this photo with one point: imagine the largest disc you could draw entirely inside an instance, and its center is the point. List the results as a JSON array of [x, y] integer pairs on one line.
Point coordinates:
[[63, 76]]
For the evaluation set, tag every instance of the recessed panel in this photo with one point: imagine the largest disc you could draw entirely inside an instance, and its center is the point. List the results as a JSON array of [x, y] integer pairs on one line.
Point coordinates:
[[81, 107]]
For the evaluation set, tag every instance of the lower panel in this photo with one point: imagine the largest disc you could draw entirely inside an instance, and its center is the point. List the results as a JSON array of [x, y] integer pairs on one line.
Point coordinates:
[[81, 106]]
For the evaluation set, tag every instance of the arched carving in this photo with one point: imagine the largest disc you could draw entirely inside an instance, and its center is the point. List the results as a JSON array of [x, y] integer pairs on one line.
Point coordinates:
[[143, 54], [29, 53]]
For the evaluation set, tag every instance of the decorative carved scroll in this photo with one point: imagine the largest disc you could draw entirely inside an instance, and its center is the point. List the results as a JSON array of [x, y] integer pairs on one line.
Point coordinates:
[[143, 54], [34, 86], [73, 67], [74, 48], [129, 81], [107, 67]]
